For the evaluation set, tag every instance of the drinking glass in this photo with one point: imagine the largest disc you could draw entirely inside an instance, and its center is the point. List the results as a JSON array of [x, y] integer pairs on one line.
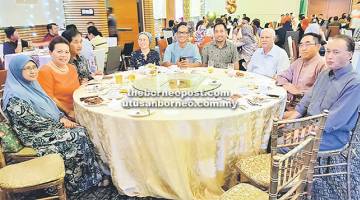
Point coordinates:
[[210, 66]]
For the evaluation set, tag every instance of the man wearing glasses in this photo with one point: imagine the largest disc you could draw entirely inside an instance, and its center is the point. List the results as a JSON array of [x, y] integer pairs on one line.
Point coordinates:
[[182, 53], [337, 89], [301, 75]]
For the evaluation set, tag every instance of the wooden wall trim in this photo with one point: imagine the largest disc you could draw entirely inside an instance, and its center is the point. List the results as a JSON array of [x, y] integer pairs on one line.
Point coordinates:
[[34, 33], [73, 16], [149, 19]]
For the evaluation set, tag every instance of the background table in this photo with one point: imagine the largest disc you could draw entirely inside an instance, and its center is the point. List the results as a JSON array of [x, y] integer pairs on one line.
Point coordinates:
[[180, 153], [41, 58]]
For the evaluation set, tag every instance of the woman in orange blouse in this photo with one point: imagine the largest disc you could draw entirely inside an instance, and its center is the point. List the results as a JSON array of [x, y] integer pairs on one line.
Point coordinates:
[[58, 78]]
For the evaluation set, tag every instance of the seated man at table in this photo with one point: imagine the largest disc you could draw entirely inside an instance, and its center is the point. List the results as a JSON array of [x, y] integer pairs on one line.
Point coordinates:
[[53, 31], [220, 51], [14, 44], [301, 75], [337, 89], [182, 53], [269, 60]]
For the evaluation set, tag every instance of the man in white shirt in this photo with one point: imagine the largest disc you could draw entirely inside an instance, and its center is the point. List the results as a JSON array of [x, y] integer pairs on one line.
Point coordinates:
[[269, 60]]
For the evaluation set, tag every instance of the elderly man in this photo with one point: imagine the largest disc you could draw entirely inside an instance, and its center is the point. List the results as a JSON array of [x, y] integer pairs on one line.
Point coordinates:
[[269, 60], [182, 53], [220, 51], [53, 31], [337, 89], [301, 75]]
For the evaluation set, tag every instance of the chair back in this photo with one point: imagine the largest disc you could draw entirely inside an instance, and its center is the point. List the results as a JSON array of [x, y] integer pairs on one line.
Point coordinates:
[[168, 33], [128, 48], [295, 49], [294, 36], [291, 169], [2, 158], [3, 74], [162, 46], [333, 31], [354, 137], [206, 40], [290, 48], [169, 40], [113, 60], [293, 132]]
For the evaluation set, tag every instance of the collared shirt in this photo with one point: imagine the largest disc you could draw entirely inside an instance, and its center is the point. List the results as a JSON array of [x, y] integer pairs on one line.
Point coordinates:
[[10, 46], [48, 37], [82, 67], [302, 74], [138, 59], [270, 64], [221, 56], [339, 92], [99, 42], [87, 49], [173, 53]]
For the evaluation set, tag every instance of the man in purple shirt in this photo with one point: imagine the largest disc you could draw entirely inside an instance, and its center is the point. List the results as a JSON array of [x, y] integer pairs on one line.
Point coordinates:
[[14, 43], [337, 89], [301, 75]]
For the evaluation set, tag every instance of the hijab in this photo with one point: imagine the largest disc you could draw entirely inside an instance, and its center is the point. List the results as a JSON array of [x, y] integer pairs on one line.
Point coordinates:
[[30, 91]]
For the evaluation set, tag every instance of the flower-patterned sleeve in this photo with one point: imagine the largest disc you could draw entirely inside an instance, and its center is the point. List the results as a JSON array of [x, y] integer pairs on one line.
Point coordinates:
[[156, 58], [133, 62], [21, 112]]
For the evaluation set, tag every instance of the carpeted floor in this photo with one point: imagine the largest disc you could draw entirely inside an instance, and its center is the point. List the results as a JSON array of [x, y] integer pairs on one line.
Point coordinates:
[[98, 193]]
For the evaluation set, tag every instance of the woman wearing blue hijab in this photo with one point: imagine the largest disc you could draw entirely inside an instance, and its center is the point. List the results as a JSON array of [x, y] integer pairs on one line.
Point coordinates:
[[39, 124]]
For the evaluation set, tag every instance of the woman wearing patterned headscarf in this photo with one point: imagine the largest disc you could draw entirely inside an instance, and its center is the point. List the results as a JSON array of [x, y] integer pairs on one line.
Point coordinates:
[[39, 124], [144, 55]]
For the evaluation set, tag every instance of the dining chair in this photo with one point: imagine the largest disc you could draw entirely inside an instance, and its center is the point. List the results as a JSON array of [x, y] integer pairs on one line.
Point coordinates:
[[38, 173], [162, 46], [284, 135], [333, 31], [126, 54], [342, 165], [287, 176], [113, 60]]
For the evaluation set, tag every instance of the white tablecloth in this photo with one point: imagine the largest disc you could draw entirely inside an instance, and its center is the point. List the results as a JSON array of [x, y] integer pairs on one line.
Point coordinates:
[[181, 153], [40, 58]]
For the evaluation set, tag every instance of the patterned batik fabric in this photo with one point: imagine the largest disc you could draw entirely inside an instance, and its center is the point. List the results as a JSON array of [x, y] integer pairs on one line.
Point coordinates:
[[82, 168], [335, 187]]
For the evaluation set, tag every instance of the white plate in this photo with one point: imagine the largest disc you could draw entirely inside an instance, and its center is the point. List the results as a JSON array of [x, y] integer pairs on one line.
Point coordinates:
[[140, 112]]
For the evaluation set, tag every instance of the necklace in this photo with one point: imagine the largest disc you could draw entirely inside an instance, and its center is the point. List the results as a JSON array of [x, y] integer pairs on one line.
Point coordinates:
[[60, 69]]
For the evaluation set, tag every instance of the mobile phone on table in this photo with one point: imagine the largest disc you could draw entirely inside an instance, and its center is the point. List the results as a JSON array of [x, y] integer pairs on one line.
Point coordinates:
[[182, 58]]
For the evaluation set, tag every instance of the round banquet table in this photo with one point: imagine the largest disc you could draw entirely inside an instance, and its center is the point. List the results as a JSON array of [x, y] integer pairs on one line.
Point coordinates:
[[181, 153]]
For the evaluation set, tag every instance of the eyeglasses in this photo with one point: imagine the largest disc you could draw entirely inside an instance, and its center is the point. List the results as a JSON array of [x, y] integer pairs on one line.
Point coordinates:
[[34, 68], [182, 33], [305, 45]]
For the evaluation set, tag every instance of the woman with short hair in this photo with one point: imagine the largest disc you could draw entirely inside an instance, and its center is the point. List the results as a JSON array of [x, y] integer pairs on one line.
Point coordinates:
[[58, 78]]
